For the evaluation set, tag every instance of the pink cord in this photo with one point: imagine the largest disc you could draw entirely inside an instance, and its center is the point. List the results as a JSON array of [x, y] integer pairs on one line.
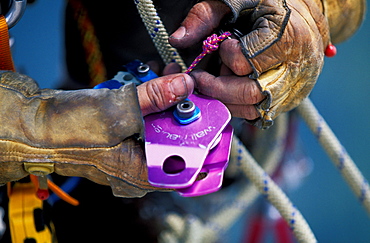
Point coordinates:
[[209, 45]]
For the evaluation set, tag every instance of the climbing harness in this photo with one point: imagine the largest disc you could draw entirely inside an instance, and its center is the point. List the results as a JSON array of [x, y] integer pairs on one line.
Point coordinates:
[[194, 230]]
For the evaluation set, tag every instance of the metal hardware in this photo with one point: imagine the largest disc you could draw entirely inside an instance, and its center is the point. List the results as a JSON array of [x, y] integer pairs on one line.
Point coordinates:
[[15, 12], [186, 112], [177, 154], [39, 169], [184, 150], [143, 69]]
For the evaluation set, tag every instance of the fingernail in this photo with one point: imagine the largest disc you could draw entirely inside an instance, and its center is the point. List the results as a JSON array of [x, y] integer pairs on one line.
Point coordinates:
[[179, 33], [178, 87], [194, 78]]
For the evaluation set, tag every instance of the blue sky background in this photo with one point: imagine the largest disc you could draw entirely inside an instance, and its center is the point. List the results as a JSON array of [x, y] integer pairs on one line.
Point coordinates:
[[341, 95]]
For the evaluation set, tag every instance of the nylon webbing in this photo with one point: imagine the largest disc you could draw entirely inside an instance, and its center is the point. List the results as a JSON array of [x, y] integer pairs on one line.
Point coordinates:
[[6, 60]]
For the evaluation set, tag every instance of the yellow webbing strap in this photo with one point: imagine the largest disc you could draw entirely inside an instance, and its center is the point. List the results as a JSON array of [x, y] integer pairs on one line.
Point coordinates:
[[25, 215]]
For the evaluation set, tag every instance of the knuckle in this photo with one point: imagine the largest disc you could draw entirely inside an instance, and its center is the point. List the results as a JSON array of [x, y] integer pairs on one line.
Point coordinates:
[[250, 93], [255, 93], [240, 68], [155, 94], [200, 13], [233, 57]]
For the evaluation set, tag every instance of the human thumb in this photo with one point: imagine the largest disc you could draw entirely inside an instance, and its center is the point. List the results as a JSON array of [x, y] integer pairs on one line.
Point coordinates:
[[201, 20], [161, 93]]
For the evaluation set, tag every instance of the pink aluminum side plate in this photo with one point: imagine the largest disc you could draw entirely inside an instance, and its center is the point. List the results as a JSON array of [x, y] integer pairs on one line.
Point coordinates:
[[176, 153]]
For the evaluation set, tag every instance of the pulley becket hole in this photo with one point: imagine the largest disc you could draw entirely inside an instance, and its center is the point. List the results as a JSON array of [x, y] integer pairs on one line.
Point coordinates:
[[173, 165], [201, 176]]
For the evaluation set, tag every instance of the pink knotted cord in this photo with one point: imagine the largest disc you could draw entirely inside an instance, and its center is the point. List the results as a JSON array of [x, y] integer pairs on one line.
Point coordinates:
[[211, 44]]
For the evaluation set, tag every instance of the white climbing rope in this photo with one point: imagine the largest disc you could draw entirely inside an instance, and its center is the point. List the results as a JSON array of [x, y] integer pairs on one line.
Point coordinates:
[[238, 205], [183, 228], [233, 206], [336, 152], [158, 33], [267, 187]]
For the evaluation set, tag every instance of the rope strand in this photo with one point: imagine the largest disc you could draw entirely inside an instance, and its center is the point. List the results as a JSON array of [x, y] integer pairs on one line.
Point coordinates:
[[210, 45], [336, 152], [158, 33]]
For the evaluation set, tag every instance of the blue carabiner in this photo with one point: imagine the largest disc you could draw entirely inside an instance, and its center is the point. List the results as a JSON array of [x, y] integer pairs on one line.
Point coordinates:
[[15, 12]]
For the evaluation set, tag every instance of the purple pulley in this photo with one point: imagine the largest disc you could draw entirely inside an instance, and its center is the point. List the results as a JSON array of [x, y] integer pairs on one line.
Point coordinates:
[[188, 146]]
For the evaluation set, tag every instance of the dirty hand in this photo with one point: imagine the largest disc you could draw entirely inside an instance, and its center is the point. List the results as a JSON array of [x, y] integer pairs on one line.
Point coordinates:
[[272, 66], [91, 133], [162, 93]]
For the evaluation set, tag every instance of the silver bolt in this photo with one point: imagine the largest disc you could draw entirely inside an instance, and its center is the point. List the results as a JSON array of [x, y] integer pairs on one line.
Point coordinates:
[[185, 109], [143, 68]]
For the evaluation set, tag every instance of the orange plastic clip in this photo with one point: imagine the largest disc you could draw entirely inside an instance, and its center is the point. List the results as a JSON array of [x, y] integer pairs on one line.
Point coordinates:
[[54, 188]]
